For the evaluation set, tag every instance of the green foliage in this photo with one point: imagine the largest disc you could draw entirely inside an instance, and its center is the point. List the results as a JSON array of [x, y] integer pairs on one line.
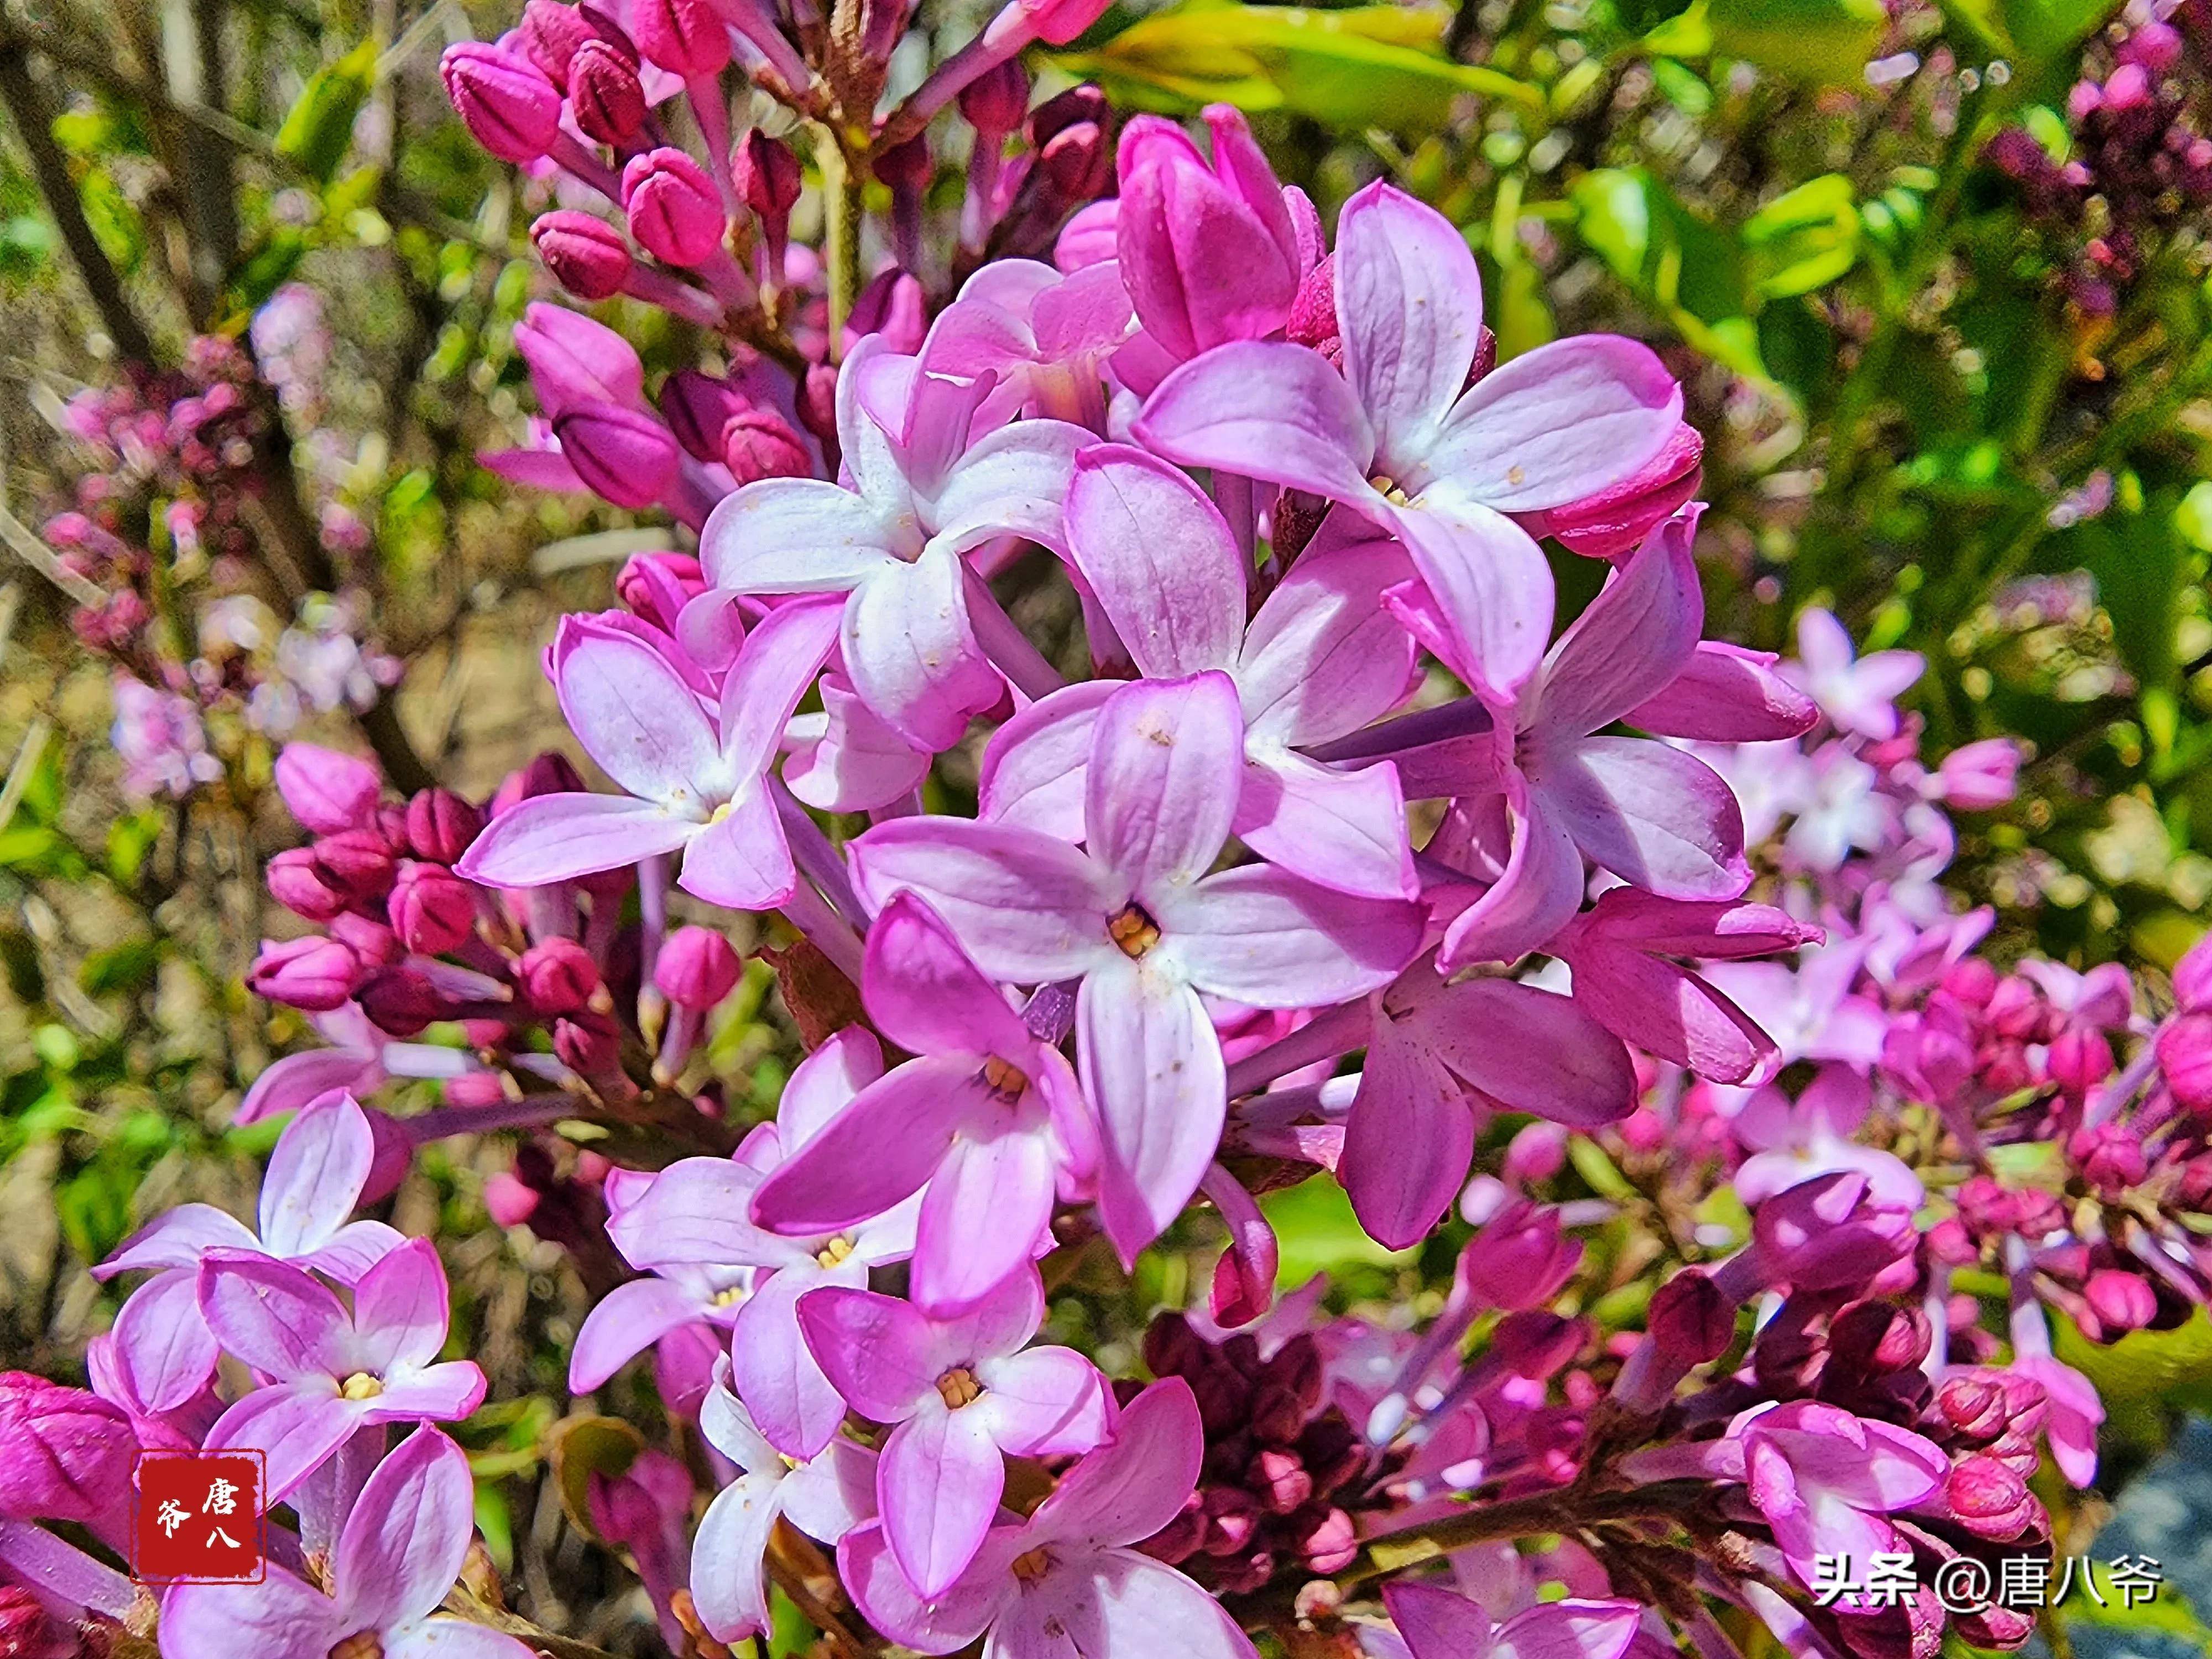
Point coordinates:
[[319, 131], [1366, 66]]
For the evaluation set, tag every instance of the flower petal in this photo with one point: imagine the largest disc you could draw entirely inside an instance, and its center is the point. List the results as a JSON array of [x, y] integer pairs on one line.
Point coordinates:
[[295, 1426], [911, 654], [1036, 768], [636, 716], [273, 1317], [938, 1485], [729, 1555], [1165, 762], [550, 838], [1012, 481], [1658, 818], [879, 1151], [1027, 909], [1538, 893], [622, 1324], [795, 536], [923, 992], [1266, 938], [1043, 1402], [1344, 830], [1134, 1486], [162, 1343], [797, 1407], [741, 860], [881, 1354], [1152, 1064], [400, 1309], [403, 1544], [1264, 409], [1323, 657], [943, 1624], [1158, 557], [1491, 583], [988, 1204], [1634, 640], [279, 1615], [1409, 308]]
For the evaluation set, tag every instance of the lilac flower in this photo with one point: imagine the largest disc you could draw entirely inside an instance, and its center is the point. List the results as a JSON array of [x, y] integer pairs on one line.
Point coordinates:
[[1044, 335], [924, 491], [1398, 438], [695, 782], [1793, 1142], [1136, 919], [1321, 659], [1859, 694], [990, 1118], [161, 741], [960, 1392], [825, 1497], [352, 1064], [1434, 1623], [316, 1174], [332, 1371], [1825, 1481], [1654, 815], [1065, 1579], [399, 1554], [1433, 1073], [696, 1215]]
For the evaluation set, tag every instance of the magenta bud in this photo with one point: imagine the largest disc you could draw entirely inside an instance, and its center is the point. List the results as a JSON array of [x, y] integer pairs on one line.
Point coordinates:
[[1690, 1322], [1880, 1338], [2184, 1059], [433, 910], [547, 774], [373, 944], [1330, 1544], [440, 825], [606, 95], [2121, 1300], [658, 585], [766, 173], [621, 455], [2110, 1156], [587, 256], [1076, 160], [402, 1002], [907, 166], [1313, 313], [2193, 977], [673, 210], [1977, 776], [327, 792], [506, 102], [315, 974], [588, 1046], [759, 443], [297, 883], [475, 1089], [551, 32], [1520, 1259], [1988, 1498], [995, 101], [65, 1455], [606, 26], [508, 1201], [356, 862], [559, 975], [684, 37], [817, 401], [1279, 1480], [697, 406], [697, 968]]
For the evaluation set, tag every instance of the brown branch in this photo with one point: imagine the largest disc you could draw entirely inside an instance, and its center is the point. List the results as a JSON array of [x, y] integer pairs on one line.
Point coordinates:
[[34, 117]]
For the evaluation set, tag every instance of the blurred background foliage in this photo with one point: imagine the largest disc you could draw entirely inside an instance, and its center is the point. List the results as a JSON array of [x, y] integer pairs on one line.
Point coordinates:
[[1976, 424]]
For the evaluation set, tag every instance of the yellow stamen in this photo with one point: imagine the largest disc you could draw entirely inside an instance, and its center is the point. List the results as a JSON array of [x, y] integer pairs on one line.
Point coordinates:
[[361, 1386], [1005, 1081], [958, 1387], [838, 1250], [1032, 1567], [731, 1296], [1134, 931], [366, 1644]]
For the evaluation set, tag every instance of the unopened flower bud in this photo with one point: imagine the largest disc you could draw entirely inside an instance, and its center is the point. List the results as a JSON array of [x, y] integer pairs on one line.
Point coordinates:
[[1880, 1337], [906, 166], [2185, 1059], [1297, 1370], [759, 443], [550, 31], [433, 910], [605, 95], [559, 977], [357, 862], [2121, 1300], [440, 825], [1831, 1233], [1989, 1499], [327, 792], [622, 456], [818, 403], [587, 255], [1173, 1349], [313, 975], [2193, 977], [1690, 1320], [684, 37], [65, 1455], [373, 944], [506, 102], [1233, 1518], [1077, 160], [1279, 1480], [1331, 1543], [606, 26], [697, 406], [509, 1200], [995, 102], [297, 883], [673, 210], [588, 1045], [1520, 1259], [697, 968], [2110, 1156], [402, 1002], [1313, 313]]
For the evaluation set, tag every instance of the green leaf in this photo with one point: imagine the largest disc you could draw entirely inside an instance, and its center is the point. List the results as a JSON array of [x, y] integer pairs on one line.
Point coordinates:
[[128, 968], [496, 1522], [1674, 261], [1316, 1232], [1826, 42], [267, 266], [319, 131], [130, 838], [581, 1447], [1366, 66], [2142, 1364], [2043, 31], [1804, 238]]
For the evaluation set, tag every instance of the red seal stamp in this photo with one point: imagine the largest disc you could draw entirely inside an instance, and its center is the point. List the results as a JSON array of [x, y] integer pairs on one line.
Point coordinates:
[[197, 1518]]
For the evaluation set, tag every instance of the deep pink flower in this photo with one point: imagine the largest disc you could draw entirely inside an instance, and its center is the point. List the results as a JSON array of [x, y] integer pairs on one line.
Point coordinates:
[[332, 1370], [1066, 1576], [1440, 1623], [1138, 922], [1552, 427], [960, 1392], [399, 1554], [990, 1118]]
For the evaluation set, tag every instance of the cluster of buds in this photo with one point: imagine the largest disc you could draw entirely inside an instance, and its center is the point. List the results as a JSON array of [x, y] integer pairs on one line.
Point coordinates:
[[164, 556], [580, 89], [2141, 151], [1284, 1468], [556, 993]]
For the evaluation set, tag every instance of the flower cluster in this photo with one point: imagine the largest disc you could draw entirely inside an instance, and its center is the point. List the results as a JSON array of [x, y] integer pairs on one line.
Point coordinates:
[[2140, 156], [1308, 845], [163, 547]]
